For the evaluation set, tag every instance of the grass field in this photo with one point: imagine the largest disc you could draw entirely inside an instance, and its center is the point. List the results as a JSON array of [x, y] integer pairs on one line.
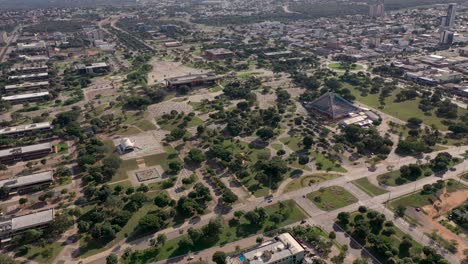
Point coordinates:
[[89, 247], [252, 155], [326, 164], [395, 240], [338, 66], [331, 198], [400, 110], [126, 166], [145, 125], [294, 142], [365, 185], [309, 180], [44, 254], [229, 234], [418, 199], [169, 125]]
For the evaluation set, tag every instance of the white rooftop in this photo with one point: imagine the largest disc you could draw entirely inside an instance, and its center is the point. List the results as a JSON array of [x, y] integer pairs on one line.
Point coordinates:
[[22, 128], [31, 220], [27, 180], [26, 85], [24, 96], [273, 251]]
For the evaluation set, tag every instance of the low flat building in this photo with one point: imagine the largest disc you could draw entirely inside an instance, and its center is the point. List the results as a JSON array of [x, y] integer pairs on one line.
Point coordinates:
[[284, 249], [28, 183], [218, 54], [29, 77], [25, 153], [34, 59], [22, 130], [172, 44], [192, 80], [23, 98], [26, 86], [40, 45], [100, 67], [14, 225], [31, 69], [278, 54]]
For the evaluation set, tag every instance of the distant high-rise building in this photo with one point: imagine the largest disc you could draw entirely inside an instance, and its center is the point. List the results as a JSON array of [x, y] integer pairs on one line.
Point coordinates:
[[448, 21], [3, 37], [377, 9], [446, 37]]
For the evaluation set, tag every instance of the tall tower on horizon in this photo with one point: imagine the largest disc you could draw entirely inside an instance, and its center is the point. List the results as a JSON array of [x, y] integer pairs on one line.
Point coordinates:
[[377, 10], [448, 21]]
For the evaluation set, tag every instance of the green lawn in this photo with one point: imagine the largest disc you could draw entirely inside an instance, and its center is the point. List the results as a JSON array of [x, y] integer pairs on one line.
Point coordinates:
[[394, 239], [309, 180], [44, 254], [338, 66], [169, 125], [369, 188], [145, 125], [294, 142], [418, 199], [162, 159], [400, 110], [229, 234], [252, 155], [89, 247], [276, 146], [125, 167], [62, 147], [331, 198], [326, 164]]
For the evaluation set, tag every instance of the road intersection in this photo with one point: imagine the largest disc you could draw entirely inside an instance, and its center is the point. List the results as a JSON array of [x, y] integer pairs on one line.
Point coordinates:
[[316, 216]]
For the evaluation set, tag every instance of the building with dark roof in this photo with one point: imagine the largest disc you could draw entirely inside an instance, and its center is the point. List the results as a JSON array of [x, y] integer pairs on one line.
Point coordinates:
[[218, 54], [28, 183], [10, 156], [192, 80], [332, 105]]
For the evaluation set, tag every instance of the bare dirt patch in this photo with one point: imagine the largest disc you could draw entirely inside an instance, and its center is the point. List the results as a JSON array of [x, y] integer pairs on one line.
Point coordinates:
[[163, 69], [166, 107], [266, 100], [434, 213]]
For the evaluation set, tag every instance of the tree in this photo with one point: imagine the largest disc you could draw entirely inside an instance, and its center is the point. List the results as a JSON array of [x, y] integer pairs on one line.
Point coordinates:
[[112, 259], [5, 259], [343, 218], [175, 166], [23, 201], [219, 257], [414, 122], [229, 197], [162, 199], [265, 133], [400, 210], [161, 239], [307, 141], [196, 155]]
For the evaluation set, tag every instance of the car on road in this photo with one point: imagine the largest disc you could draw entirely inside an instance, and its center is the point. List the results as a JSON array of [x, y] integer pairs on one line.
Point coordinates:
[[417, 209]]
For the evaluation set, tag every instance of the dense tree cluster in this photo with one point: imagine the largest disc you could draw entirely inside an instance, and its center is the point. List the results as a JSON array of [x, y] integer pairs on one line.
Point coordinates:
[[195, 202], [365, 140], [372, 230]]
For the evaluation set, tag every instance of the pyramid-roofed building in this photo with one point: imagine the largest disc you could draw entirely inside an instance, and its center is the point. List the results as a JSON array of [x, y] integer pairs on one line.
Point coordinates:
[[333, 106]]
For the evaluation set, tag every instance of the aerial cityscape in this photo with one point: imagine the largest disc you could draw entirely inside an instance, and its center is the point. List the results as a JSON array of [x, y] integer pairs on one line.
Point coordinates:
[[234, 131]]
